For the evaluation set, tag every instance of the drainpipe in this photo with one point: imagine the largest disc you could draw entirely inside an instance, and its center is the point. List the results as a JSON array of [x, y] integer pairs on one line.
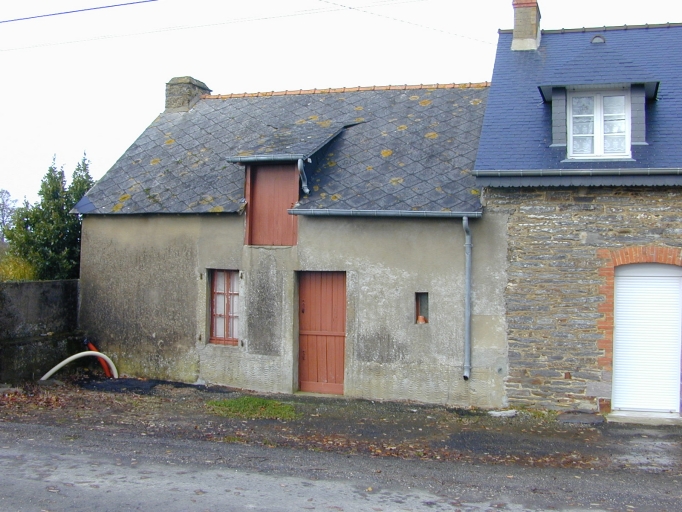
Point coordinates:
[[304, 178], [467, 298]]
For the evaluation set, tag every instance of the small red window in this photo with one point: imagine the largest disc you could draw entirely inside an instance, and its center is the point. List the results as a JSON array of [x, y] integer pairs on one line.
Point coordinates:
[[225, 307], [421, 307]]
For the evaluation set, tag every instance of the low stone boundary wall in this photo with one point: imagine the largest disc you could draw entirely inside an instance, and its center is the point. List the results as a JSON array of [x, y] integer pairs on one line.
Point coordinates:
[[33, 308], [24, 359], [38, 322]]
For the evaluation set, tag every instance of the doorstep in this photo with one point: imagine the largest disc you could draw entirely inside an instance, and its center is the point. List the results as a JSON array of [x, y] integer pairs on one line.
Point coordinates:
[[644, 418]]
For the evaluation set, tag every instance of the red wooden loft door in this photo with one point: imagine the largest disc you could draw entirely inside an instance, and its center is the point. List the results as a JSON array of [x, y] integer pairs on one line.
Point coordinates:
[[322, 331], [272, 190]]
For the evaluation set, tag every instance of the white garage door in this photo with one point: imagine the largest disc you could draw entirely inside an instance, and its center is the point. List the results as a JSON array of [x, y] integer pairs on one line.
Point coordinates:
[[646, 345]]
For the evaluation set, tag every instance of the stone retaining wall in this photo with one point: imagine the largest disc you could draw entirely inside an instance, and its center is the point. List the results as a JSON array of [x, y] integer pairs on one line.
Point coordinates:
[[559, 299], [32, 308], [38, 320]]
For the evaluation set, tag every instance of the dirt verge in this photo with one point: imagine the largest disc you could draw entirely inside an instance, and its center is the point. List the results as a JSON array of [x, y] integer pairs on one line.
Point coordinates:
[[341, 425]]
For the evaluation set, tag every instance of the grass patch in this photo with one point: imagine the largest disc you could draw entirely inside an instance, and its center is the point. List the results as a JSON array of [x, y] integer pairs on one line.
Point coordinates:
[[234, 439], [251, 407]]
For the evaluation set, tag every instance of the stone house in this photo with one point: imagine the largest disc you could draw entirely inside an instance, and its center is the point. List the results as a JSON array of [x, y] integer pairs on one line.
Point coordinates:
[[305, 240], [580, 152]]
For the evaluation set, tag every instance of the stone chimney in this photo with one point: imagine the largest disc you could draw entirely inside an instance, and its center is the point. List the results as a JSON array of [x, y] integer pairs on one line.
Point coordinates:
[[183, 92], [526, 25]]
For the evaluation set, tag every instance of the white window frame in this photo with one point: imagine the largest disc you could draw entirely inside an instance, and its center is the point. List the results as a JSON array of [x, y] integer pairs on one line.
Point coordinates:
[[598, 134]]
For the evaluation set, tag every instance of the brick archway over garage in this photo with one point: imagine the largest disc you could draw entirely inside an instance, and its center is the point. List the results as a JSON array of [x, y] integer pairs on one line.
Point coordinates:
[[612, 259]]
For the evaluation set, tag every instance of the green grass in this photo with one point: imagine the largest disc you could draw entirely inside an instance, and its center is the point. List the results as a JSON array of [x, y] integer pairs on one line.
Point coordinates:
[[251, 407], [234, 439]]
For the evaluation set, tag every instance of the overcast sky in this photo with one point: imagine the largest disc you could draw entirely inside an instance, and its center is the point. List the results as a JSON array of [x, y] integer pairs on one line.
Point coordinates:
[[93, 81]]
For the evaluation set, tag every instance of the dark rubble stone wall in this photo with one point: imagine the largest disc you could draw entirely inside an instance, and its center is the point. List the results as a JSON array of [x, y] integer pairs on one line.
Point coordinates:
[[553, 292]]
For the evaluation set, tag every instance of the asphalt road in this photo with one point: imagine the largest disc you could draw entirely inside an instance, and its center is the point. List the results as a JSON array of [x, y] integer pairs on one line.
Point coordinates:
[[60, 468]]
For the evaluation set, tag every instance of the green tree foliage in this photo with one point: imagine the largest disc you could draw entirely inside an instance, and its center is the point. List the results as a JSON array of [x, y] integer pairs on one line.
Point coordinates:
[[45, 234], [13, 268]]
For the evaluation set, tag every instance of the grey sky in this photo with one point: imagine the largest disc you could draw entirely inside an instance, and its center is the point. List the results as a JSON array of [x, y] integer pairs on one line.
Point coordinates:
[[93, 81]]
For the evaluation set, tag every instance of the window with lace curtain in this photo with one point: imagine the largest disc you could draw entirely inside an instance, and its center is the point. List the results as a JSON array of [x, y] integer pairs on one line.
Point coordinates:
[[224, 307], [599, 124]]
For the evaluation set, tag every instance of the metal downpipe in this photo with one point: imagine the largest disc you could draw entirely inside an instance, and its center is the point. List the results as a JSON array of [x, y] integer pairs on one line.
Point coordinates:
[[304, 178], [467, 298]]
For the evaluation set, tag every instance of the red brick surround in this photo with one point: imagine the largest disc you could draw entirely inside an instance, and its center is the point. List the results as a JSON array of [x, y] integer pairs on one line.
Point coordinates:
[[612, 259]]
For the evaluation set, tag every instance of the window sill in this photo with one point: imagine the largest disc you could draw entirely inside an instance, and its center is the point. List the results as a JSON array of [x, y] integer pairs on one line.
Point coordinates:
[[230, 342], [600, 159], [269, 246]]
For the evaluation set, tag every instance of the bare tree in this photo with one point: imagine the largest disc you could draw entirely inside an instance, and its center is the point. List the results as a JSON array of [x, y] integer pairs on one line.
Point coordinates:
[[7, 207]]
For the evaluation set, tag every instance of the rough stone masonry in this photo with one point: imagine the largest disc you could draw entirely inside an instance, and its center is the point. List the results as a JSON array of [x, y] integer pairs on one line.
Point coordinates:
[[558, 297]]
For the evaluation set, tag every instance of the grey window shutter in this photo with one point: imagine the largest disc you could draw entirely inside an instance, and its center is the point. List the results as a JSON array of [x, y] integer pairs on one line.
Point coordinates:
[[559, 116], [637, 114]]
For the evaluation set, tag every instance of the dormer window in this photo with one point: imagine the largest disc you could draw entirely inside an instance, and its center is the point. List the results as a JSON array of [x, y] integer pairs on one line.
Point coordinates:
[[598, 124]]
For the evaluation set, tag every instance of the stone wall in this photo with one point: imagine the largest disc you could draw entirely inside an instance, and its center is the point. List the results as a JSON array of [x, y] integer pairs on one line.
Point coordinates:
[[561, 249], [36, 307], [37, 324]]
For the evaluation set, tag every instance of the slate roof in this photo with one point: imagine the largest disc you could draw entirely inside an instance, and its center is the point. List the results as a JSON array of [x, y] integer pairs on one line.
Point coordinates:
[[517, 130], [385, 149]]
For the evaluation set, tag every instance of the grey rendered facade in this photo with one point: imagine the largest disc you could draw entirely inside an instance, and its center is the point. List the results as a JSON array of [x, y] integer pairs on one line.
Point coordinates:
[[389, 183]]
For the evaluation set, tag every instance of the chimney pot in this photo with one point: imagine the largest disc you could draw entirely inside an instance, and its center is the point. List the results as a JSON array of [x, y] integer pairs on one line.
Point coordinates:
[[526, 25], [183, 92]]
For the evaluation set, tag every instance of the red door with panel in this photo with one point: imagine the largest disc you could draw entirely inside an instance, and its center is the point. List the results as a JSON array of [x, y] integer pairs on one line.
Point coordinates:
[[322, 331]]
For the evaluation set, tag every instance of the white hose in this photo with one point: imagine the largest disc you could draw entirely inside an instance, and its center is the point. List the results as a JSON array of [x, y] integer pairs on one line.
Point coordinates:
[[78, 356]]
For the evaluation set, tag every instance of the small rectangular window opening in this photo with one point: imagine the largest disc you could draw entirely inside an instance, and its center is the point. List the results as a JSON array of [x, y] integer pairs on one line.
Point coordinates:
[[422, 307], [224, 307]]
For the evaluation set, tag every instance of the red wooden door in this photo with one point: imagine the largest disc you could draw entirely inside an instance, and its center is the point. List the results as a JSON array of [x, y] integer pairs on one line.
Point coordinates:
[[322, 331], [273, 189]]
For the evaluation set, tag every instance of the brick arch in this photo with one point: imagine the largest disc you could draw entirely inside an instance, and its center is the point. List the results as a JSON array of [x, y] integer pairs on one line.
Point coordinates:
[[613, 258]]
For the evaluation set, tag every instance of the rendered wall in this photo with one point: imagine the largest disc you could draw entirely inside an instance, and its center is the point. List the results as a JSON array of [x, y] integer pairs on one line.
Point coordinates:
[[145, 294], [388, 355], [139, 282]]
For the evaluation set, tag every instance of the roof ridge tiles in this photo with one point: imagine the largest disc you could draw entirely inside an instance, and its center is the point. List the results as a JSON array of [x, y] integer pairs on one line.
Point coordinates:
[[300, 92], [600, 29]]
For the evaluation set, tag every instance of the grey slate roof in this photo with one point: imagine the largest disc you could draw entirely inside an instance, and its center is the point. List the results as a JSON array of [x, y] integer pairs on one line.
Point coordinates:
[[516, 141], [388, 149]]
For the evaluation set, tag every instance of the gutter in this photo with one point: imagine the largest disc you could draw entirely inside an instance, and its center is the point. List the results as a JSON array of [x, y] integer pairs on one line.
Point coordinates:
[[467, 298], [319, 212], [282, 157], [578, 172]]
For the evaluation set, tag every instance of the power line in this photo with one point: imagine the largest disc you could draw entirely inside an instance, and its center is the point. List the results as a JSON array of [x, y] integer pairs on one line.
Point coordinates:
[[403, 21], [76, 11], [306, 12]]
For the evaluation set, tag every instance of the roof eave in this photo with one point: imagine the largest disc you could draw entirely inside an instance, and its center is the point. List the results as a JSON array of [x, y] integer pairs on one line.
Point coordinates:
[[577, 172], [322, 212], [650, 88], [294, 157]]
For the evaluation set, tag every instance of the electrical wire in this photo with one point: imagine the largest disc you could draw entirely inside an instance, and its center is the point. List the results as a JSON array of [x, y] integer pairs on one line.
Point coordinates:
[[306, 12], [76, 11], [404, 21]]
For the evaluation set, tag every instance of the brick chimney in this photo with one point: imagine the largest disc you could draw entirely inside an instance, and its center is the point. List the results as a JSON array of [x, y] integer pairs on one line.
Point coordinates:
[[526, 25], [183, 92]]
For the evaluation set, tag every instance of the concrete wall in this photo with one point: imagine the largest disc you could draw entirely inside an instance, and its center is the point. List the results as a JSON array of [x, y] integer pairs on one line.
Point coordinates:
[[128, 265], [36, 323], [560, 286], [37, 307]]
